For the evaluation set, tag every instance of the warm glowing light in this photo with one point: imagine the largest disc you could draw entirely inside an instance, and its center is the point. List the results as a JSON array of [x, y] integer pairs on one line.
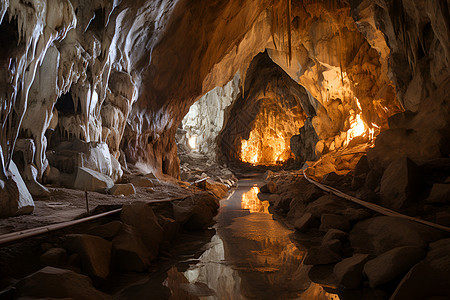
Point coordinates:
[[267, 150], [359, 128], [249, 151], [192, 141], [251, 202]]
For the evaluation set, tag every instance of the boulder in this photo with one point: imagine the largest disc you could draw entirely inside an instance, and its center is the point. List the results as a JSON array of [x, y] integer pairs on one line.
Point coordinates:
[[392, 264], [141, 216], [331, 179], [15, 199], [327, 253], [106, 231], [334, 234], [51, 282], [362, 167], [269, 187], [329, 221], [54, 257], [282, 202], [380, 234], [440, 193], [306, 222], [220, 190], [95, 253], [129, 252], [125, 189], [400, 183], [443, 218], [330, 204], [170, 226], [274, 199], [90, 180], [349, 270], [197, 211], [430, 278], [144, 182]]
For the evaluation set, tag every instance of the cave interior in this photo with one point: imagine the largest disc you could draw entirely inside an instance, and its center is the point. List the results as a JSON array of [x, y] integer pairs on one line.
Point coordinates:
[[342, 107]]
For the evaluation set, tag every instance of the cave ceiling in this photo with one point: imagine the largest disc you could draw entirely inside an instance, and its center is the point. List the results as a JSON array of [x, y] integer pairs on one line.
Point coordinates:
[[130, 70]]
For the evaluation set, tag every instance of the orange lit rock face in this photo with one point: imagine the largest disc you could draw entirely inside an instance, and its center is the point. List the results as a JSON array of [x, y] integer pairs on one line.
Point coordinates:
[[268, 142], [261, 124]]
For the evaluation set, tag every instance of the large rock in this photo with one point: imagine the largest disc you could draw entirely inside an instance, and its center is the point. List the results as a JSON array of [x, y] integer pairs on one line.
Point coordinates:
[[90, 180], [141, 216], [51, 282], [330, 204], [144, 182], [15, 199], [329, 221], [125, 189], [306, 222], [440, 193], [196, 212], [218, 189], [392, 264], [106, 231], [380, 234], [70, 155], [269, 187], [327, 253], [430, 278], [95, 253], [54, 257], [400, 183], [333, 234], [129, 252], [349, 270]]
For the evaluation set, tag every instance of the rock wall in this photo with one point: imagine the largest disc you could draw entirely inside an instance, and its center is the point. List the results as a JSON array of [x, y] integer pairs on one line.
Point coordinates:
[[206, 118], [123, 74], [265, 117]]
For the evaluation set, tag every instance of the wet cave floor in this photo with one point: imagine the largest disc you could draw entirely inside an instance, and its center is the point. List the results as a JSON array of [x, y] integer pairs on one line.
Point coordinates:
[[246, 255]]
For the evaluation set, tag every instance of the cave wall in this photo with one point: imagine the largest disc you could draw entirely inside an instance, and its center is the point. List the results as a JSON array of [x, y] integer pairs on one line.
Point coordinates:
[[132, 69], [413, 40], [206, 118], [270, 110]]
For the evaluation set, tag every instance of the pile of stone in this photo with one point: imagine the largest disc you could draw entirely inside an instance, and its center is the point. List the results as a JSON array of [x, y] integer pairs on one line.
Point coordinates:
[[129, 244], [359, 252]]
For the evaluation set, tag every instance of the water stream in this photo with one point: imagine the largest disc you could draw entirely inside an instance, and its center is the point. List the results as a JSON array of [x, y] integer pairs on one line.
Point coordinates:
[[249, 257]]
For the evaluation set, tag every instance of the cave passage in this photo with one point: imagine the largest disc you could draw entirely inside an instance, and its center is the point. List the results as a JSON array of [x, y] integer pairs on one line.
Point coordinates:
[[130, 130], [250, 256]]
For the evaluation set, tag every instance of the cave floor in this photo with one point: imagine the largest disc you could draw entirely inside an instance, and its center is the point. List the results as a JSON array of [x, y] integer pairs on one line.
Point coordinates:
[[68, 204], [250, 256]]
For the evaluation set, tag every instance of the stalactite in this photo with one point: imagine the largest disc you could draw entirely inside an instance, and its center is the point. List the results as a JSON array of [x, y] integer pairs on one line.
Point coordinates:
[[289, 10], [274, 22]]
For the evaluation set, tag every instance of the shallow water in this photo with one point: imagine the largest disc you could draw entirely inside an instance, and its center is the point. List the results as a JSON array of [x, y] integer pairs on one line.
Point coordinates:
[[249, 257]]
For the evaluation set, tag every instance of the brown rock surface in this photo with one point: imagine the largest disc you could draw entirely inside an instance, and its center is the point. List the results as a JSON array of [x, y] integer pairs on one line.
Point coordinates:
[[380, 234], [51, 282], [95, 253], [141, 216]]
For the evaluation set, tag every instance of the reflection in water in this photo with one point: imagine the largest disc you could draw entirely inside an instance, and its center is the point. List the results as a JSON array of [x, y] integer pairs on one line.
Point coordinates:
[[251, 202], [250, 257]]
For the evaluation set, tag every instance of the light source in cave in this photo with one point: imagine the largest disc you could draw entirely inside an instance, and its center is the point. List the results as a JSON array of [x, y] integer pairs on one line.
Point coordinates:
[[251, 202], [269, 140], [192, 141], [358, 127], [266, 149]]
